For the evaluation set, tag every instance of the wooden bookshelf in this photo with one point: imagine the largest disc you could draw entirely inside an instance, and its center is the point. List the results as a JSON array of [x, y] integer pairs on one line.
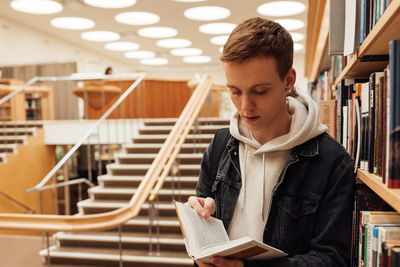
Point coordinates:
[[376, 43], [391, 196], [317, 38], [18, 106]]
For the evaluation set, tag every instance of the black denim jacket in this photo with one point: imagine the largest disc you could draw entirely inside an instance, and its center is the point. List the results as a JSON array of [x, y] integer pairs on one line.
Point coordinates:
[[311, 210]]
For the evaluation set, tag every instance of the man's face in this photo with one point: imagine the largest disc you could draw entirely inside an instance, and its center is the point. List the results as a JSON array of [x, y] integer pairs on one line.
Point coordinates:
[[258, 92]]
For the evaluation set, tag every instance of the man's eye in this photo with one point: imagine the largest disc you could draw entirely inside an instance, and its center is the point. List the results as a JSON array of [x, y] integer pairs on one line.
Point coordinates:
[[261, 92], [235, 92]]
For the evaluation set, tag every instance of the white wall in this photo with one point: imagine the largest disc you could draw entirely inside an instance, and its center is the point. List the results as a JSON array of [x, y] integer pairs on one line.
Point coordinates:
[[22, 45]]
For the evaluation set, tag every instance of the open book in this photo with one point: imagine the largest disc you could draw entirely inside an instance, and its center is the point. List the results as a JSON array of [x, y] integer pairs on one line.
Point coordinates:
[[206, 237]]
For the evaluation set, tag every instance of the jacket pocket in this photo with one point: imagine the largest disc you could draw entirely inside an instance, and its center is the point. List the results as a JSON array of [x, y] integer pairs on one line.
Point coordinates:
[[295, 222], [297, 206]]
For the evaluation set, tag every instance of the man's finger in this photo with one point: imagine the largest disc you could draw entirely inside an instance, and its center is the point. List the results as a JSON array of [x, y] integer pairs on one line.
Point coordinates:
[[209, 206], [197, 203]]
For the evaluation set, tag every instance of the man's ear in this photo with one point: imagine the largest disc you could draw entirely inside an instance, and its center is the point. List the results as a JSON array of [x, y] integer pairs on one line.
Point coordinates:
[[290, 79]]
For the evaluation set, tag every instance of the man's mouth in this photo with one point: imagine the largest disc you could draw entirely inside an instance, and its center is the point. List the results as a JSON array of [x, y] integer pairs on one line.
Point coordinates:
[[251, 118]]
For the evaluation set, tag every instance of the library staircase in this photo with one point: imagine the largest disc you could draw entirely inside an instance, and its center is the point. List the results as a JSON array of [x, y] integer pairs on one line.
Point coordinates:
[[15, 134], [153, 238]]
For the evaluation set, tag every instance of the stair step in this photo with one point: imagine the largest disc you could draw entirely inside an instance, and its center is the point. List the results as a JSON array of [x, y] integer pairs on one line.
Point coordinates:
[[111, 257], [16, 131], [8, 148], [154, 148], [141, 169], [101, 193], [89, 206], [160, 138], [172, 121], [141, 224], [13, 139], [126, 158], [139, 241], [203, 129], [21, 124], [108, 180]]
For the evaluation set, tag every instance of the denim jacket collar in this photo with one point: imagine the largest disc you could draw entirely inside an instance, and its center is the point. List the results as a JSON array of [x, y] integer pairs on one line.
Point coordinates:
[[307, 149]]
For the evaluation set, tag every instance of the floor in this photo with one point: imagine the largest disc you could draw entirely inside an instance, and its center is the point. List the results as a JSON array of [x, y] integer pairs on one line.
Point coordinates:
[[21, 251]]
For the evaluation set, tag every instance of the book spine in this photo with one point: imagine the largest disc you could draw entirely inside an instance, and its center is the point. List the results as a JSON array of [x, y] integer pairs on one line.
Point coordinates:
[[371, 124], [362, 21], [394, 139]]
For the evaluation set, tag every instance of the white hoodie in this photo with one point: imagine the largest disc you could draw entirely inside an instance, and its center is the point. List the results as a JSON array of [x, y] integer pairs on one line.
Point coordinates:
[[261, 165]]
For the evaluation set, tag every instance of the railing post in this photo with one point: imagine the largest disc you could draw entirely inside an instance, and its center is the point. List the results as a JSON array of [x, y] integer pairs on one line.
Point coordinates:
[[120, 245], [48, 249]]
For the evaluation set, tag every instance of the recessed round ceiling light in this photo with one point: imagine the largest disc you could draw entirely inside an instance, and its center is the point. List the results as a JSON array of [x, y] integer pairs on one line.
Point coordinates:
[[297, 36], [72, 23], [174, 43], [297, 47], [207, 13], [290, 24], [110, 3], [140, 54], [182, 52], [217, 28], [157, 32], [100, 36], [38, 7], [154, 61], [197, 59], [281, 8], [137, 18], [189, 1], [219, 40], [121, 46]]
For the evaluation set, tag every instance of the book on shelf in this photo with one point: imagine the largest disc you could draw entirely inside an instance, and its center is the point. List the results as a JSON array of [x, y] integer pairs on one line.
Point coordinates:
[[370, 221], [336, 27], [393, 179], [352, 27], [385, 260], [370, 13], [365, 200], [207, 237]]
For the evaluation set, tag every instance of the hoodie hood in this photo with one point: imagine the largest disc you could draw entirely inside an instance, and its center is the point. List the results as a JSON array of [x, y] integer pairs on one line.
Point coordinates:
[[261, 164], [304, 125]]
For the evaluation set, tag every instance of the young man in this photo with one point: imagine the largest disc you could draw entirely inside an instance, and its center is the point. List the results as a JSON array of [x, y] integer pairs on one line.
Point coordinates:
[[278, 178]]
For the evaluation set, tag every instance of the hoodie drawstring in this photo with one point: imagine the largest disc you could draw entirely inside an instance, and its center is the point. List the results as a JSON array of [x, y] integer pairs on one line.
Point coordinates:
[[263, 190], [243, 196]]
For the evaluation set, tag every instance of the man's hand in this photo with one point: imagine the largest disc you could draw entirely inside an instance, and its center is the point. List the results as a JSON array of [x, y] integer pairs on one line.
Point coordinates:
[[205, 207], [221, 262]]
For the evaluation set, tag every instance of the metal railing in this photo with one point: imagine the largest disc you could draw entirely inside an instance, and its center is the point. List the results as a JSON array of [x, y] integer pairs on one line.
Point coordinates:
[[27, 209]]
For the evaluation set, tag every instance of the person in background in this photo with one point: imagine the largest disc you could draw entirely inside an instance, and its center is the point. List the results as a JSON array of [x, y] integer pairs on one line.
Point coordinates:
[[108, 71], [275, 175]]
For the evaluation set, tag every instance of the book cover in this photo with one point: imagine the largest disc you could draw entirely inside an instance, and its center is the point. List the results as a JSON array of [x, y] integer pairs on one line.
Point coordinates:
[[394, 139], [207, 237]]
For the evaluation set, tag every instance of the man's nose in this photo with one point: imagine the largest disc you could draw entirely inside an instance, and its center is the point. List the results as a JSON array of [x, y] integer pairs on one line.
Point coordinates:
[[247, 103]]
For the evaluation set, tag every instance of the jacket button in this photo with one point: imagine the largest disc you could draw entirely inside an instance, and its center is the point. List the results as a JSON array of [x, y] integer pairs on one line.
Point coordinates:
[[235, 153], [226, 216], [237, 178]]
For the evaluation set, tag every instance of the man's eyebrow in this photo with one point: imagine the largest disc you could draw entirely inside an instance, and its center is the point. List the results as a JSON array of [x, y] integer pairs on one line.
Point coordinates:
[[251, 87]]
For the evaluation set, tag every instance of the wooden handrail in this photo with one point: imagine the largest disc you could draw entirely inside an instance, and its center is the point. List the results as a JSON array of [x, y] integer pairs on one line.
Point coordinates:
[[190, 116], [112, 219]]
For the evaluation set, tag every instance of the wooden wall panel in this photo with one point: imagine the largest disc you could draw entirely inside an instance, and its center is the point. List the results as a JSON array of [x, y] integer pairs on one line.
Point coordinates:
[[24, 170], [151, 99]]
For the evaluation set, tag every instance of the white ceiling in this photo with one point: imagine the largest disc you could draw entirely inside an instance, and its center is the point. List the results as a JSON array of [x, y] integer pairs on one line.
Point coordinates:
[[171, 15]]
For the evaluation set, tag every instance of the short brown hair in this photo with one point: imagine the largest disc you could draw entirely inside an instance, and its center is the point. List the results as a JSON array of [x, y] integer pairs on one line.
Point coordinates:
[[258, 36]]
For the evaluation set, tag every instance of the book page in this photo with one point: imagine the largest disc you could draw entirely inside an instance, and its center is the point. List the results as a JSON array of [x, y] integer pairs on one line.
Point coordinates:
[[242, 248], [199, 232]]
